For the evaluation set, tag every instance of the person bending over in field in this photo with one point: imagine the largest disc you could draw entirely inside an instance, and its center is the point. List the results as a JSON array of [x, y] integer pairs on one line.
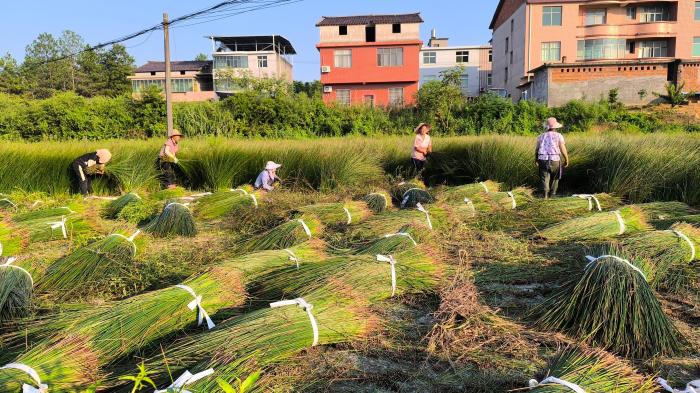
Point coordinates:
[[89, 165], [548, 154], [167, 159], [267, 178], [422, 147]]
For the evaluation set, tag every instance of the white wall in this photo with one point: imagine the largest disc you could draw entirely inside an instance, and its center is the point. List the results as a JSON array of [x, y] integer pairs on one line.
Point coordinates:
[[446, 58]]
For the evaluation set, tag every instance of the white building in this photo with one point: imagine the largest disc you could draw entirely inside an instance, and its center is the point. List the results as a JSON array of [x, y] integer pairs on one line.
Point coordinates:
[[438, 56], [256, 56]]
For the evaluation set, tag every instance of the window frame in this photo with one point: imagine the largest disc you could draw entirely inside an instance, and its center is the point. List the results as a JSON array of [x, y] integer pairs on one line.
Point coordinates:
[[659, 13], [601, 49], [235, 61], [343, 30], [392, 55], [648, 49], [631, 12], [262, 61], [697, 10], [430, 55], [489, 79], [695, 52], [490, 55], [464, 82], [548, 47], [394, 29], [548, 15], [393, 101], [342, 57], [343, 102], [463, 54], [595, 17]]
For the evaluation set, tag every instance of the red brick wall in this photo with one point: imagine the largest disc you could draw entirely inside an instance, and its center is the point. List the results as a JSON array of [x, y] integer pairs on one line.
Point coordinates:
[[583, 73], [690, 74]]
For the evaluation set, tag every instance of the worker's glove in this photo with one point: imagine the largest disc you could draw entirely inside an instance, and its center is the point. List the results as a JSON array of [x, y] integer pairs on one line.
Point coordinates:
[[176, 161]]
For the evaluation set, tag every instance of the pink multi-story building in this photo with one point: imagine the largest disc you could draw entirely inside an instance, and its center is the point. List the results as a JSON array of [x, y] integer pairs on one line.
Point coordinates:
[[597, 44]]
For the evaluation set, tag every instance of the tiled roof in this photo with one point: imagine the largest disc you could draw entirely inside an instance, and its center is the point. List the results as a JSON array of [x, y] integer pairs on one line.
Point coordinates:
[[159, 66], [369, 19]]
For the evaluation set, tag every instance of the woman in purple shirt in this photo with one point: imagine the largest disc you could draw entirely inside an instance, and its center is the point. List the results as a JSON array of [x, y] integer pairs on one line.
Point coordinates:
[[267, 178], [548, 153]]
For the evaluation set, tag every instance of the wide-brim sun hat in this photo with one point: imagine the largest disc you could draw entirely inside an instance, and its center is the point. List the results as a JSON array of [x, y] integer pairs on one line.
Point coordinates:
[[104, 155], [272, 165], [553, 124], [176, 133], [418, 128]]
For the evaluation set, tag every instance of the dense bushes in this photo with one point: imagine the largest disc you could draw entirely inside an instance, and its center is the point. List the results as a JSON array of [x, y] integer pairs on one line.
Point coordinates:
[[297, 115]]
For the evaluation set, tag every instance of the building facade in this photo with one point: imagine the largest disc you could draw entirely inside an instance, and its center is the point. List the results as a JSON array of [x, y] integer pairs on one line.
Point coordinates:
[[438, 56], [250, 56], [190, 80], [577, 35], [370, 59]]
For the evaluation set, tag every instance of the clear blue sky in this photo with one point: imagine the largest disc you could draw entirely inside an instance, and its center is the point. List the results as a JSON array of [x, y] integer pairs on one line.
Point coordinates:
[[463, 21]]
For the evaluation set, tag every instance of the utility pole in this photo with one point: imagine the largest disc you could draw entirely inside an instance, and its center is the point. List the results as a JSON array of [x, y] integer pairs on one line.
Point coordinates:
[[168, 85]]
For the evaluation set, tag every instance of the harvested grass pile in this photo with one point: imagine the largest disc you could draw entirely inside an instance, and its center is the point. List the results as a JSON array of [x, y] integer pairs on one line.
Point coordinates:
[[10, 240], [285, 235], [222, 203], [378, 227], [611, 305], [176, 219], [51, 224], [599, 226], [347, 213], [115, 207], [549, 211], [457, 194], [7, 204], [665, 224], [408, 194], [666, 210], [15, 291], [509, 200], [591, 371], [388, 244], [378, 202], [672, 253], [103, 267]]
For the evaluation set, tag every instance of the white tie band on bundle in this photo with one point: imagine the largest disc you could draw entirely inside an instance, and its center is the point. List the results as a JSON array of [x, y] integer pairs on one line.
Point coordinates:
[[130, 239], [0, 249], [255, 200], [239, 190], [420, 208], [8, 201], [185, 379], [687, 239], [26, 388], [197, 303], [691, 387], [306, 228], [292, 257], [471, 205], [392, 263], [9, 263], [406, 196], [70, 211], [404, 234], [347, 212], [620, 221], [533, 384], [594, 260], [304, 306], [590, 198], [59, 224], [484, 185], [514, 204], [185, 205], [35, 204]]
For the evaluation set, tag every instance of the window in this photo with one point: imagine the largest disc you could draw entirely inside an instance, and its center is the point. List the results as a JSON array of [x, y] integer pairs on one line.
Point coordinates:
[[343, 58], [463, 56], [512, 26], [697, 10], [464, 82], [369, 100], [632, 13], [551, 51], [506, 75], [696, 47], [608, 48], [182, 85], [551, 16], [370, 34], [653, 49], [511, 57], [489, 79], [396, 96], [507, 44], [657, 13], [182, 72], [490, 55], [138, 86], [596, 16], [396, 28], [262, 61], [342, 96], [390, 57], [342, 30], [231, 62], [153, 73], [631, 47], [429, 57]]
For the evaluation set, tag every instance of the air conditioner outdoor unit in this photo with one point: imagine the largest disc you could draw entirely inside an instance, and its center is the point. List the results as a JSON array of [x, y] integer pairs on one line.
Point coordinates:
[[325, 69], [327, 89]]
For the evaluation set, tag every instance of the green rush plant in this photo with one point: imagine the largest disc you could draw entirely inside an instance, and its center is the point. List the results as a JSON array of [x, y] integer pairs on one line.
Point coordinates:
[[593, 371], [10, 239], [351, 212], [666, 210], [285, 235], [611, 305], [134, 170], [175, 220], [456, 194], [115, 207], [544, 212], [378, 201], [598, 226], [16, 292], [693, 219], [223, 203]]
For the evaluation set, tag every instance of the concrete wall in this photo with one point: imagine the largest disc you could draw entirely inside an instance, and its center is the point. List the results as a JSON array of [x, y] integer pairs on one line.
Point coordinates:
[[473, 74], [277, 65], [446, 58], [517, 43], [356, 33]]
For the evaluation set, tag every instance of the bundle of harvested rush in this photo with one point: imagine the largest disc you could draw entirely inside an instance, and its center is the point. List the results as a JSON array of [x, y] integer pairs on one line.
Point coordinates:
[[590, 370], [285, 235], [15, 291], [672, 253], [549, 211], [222, 203], [407, 194], [398, 221], [509, 200], [51, 224], [693, 219], [378, 201], [599, 226], [388, 244], [176, 219], [6, 203], [347, 213], [458, 193], [100, 269], [113, 208], [666, 210], [612, 306], [10, 240]]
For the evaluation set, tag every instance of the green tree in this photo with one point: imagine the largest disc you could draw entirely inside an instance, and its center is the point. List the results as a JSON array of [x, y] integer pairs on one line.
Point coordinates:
[[438, 102], [40, 66], [11, 78], [116, 65], [90, 81], [70, 44], [201, 57]]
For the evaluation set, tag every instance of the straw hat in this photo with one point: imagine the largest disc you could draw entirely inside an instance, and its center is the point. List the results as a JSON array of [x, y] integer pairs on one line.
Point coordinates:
[[552, 124], [419, 127], [272, 165], [176, 133], [104, 155]]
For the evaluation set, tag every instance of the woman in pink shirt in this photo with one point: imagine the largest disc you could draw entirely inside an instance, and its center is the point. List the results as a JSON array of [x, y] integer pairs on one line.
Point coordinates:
[[549, 152], [422, 146]]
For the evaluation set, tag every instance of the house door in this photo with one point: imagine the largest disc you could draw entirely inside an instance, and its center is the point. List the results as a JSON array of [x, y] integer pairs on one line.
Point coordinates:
[[369, 101]]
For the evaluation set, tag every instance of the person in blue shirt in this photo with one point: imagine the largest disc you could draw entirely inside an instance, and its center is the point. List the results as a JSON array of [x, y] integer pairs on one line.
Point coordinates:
[[267, 178]]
